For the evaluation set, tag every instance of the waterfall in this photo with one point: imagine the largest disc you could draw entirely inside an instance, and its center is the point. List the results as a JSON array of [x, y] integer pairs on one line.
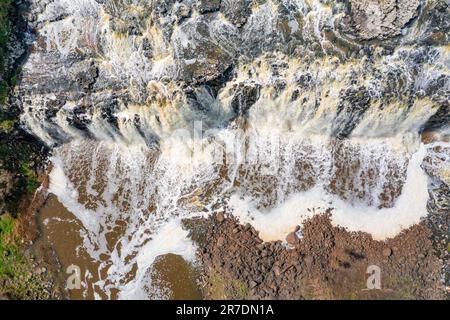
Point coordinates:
[[144, 138]]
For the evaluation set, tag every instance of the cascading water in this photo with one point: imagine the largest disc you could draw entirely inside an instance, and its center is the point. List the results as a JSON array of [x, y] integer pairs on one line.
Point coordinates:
[[308, 119]]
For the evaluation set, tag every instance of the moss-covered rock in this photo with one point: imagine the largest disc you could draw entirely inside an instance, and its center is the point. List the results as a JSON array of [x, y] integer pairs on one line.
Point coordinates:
[[20, 154]]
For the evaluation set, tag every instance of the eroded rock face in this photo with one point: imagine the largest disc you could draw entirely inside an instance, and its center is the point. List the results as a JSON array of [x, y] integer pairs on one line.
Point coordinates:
[[202, 58], [97, 65], [236, 11], [382, 19]]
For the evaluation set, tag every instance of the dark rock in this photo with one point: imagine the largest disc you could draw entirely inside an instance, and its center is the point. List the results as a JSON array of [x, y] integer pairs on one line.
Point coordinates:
[[205, 6], [147, 48], [236, 11], [246, 95], [79, 117], [353, 104]]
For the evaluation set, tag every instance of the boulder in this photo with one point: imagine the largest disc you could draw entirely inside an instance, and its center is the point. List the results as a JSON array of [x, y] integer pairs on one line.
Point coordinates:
[[236, 11], [245, 96], [387, 252], [374, 19], [292, 238], [220, 217], [205, 6]]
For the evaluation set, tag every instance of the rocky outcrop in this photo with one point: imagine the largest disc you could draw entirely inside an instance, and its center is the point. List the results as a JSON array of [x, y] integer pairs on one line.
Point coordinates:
[[236, 11], [381, 19], [205, 6], [245, 96], [120, 55]]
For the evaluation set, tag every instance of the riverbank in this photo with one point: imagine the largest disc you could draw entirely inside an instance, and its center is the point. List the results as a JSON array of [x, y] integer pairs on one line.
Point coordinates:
[[320, 261], [23, 275], [26, 272]]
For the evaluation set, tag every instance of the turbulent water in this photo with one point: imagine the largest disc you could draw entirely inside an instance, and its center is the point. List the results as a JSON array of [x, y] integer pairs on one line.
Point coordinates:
[[271, 111]]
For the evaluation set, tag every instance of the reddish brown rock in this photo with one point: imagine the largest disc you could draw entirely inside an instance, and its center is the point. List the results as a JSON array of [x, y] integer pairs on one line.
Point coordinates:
[[387, 252], [292, 238], [220, 217]]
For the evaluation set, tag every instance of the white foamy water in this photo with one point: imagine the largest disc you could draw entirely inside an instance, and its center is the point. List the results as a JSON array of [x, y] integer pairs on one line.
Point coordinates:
[[408, 209], [148, 193]]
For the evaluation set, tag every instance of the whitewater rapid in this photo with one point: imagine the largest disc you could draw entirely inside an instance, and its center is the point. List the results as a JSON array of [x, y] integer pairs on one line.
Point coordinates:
[[103, 183], [160, 112]]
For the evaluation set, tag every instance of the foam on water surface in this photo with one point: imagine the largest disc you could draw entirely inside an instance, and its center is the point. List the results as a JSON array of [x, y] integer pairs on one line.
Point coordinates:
[[148, 193], [276, 223]]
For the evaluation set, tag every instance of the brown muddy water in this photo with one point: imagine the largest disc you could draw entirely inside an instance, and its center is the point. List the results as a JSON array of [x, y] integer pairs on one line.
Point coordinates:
[[60, 230]]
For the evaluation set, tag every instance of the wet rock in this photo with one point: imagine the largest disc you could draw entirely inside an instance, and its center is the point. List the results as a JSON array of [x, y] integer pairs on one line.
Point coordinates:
[[353, 104], [7, 182], [162, 7], [381, 19], [205, 6], [87, 76], [220, 217], [200, 59], [246, 95], [439, 120], [292, 238], [182, 11], [295, 95], [236, 11], [79, 117], [147, 48]]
